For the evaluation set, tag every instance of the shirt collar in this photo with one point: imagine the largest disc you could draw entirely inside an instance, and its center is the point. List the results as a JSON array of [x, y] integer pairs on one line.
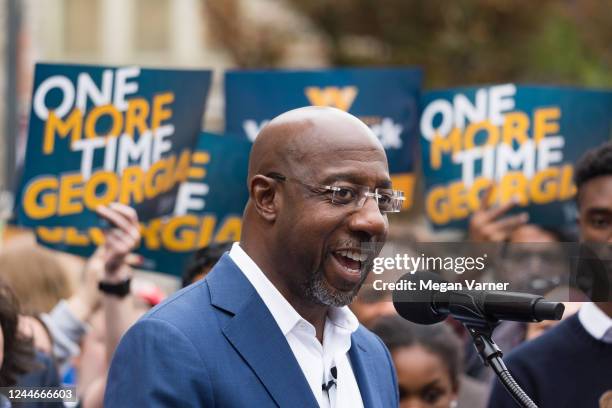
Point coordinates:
[[594, 320], [283, 313], [343, 317]]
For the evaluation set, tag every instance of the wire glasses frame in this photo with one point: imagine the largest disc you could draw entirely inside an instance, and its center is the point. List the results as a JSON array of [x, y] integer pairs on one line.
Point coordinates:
[[388, 200]]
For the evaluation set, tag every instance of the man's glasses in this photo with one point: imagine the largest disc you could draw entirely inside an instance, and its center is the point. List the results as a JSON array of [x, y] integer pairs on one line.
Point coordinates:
[[355, 196]]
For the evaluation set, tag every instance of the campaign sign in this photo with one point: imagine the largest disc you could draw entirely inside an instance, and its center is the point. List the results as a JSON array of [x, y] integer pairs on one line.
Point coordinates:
[[208, 209], [523, 140], [104, 134], [385, 99]]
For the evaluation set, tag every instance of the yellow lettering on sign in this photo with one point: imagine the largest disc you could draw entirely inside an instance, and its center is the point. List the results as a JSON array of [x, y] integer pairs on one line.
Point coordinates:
[[54, 125], [341, 98]]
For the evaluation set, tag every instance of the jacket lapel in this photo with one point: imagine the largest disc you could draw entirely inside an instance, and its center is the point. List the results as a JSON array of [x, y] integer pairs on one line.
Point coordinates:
[[363, 369], [254, 333]]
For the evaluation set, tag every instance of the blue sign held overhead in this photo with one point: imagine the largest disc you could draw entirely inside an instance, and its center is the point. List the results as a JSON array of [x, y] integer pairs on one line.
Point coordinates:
[[522, 140], [208, 209], [386, 99], [103, 134]]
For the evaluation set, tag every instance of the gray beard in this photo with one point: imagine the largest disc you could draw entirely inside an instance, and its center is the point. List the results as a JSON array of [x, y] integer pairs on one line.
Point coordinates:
[[317, 291]]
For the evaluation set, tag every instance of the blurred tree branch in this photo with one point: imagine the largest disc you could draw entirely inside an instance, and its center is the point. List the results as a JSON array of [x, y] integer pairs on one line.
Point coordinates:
[[471, 41], [250, 44]]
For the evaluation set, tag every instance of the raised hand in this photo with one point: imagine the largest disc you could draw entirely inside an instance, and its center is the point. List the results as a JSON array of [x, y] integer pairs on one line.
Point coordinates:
[[491, 224]]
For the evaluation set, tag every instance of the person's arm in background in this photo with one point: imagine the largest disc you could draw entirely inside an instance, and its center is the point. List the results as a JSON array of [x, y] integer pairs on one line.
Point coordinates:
[[119, 242], [119, 311], [143, 360], [67, 322], [491, 224], [86, 299]]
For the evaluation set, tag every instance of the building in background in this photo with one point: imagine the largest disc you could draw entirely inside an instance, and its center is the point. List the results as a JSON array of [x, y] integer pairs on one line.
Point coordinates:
[[153, 33]]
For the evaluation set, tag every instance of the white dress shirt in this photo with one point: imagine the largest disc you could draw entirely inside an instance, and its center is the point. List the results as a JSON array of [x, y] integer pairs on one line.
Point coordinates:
[[315, 359], [595, 321]]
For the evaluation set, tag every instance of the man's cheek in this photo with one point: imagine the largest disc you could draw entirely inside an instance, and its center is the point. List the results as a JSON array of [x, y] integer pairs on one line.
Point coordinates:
[[595, 235]]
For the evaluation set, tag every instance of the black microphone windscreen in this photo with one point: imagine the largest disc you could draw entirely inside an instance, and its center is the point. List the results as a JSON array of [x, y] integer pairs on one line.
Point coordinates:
[[545, 310], [416, 304]]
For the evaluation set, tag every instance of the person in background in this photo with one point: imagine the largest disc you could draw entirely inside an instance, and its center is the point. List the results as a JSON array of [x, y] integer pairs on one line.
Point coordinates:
[[39, 281], [67, 322], [87, 326], [202, 262], [371, 305], [118, 309], [569, 365], [64, 330], [531, 261], [428, 364], [16, 350], [20, 364], [33, 327], [36, 276]]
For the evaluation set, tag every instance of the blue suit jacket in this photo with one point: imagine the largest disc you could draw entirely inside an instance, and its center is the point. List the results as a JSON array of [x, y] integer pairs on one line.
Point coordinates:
[[216, 344]]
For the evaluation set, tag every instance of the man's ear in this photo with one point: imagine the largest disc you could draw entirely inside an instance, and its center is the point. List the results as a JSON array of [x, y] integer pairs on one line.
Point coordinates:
[[264, 194]]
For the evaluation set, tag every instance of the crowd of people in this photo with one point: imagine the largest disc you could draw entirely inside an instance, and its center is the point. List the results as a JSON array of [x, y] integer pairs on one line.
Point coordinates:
[[53, 334]]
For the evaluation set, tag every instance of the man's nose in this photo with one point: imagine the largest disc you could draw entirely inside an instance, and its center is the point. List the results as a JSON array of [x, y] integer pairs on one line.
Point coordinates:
[[369, 219]]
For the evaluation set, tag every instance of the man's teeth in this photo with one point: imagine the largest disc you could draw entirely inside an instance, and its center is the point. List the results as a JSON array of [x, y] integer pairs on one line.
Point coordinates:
[[354, 255]]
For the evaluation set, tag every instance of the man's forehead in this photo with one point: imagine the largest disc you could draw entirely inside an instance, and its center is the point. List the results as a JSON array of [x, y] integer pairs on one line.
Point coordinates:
[[597, 193], [371, 173], [338, 138], [328, 143]]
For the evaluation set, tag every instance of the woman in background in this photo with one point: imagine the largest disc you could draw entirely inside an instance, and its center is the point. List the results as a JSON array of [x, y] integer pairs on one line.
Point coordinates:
[[428, 364], [16, 352]]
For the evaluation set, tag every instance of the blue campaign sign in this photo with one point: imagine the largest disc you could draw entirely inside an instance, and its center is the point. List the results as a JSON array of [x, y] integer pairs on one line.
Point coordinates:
[[102, 134], [524, 140], [208, 209], [209, 205], [386, 99]]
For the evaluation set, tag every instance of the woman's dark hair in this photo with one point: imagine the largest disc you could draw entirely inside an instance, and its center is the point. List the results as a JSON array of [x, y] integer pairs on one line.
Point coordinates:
[[439, 339], [18, 351]]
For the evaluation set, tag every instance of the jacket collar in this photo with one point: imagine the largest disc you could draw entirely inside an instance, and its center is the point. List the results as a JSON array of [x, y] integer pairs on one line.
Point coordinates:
[[254, 333], [364, 368]]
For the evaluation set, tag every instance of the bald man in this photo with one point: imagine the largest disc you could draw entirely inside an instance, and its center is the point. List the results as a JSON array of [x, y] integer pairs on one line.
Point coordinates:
[[270, 326]]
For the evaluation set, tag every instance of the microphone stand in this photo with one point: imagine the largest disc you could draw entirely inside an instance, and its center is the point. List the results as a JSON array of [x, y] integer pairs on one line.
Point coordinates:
[[491, 355]]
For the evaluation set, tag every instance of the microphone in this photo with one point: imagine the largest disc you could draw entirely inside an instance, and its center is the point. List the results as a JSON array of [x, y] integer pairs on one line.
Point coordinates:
[[422, 298], [427, 305]]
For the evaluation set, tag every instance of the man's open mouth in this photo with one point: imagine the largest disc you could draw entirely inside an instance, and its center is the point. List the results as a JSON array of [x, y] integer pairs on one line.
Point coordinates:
[[351, 261]]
